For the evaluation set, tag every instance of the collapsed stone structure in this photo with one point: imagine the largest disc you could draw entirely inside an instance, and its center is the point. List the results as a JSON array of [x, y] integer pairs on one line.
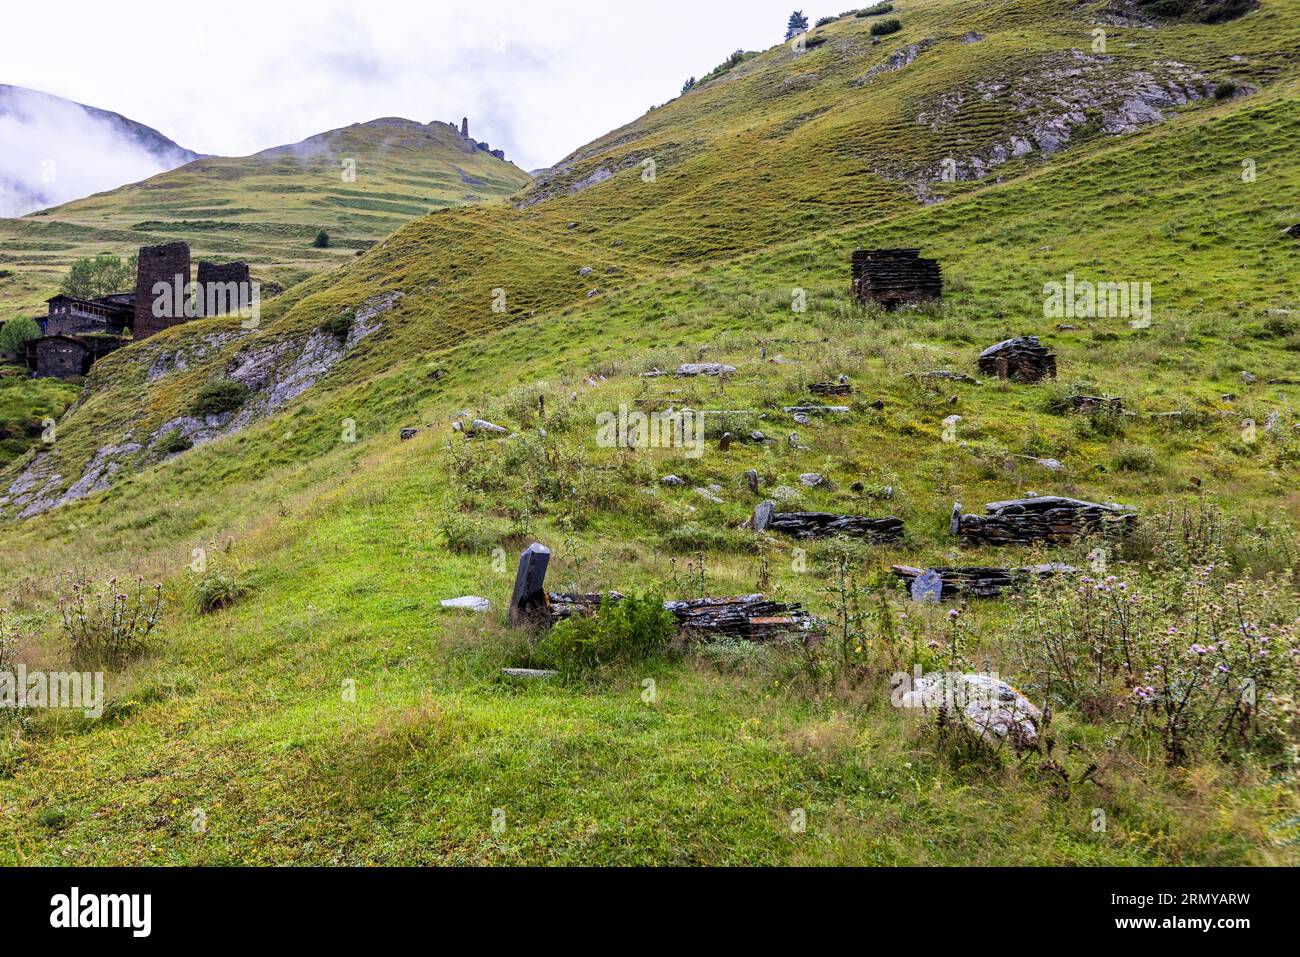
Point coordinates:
[[1023, 359], [895, 277], [222, 288], [824, 524], [981, 582], [1051, 519]]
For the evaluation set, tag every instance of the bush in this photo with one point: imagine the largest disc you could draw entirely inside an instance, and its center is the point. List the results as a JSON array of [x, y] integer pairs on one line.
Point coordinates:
[[106, 627], [821, 22], [883, 28], [339, 326], [173, 443], [322, 240], [219, 397], [633, 629], [16, 333], [1136, 458], [219, 589], [875, 10]]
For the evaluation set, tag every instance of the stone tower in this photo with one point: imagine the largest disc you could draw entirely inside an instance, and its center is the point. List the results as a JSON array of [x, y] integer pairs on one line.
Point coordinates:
[[168, 264], [464, 127]]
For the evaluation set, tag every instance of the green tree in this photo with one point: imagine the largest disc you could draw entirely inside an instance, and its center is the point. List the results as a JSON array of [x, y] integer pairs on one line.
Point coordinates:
[[688, 85], [797, 24], [15, 333], [93, 276], [322, 240]]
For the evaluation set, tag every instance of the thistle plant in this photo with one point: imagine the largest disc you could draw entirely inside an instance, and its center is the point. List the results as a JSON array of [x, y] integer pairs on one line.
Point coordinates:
[[106, 626]]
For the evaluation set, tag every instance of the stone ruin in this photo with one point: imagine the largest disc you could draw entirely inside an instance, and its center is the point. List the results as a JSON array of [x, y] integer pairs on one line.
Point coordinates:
[[895, 277], [748, 616], [976, 581], [1050, 519], [168, 264], [1023, 359], [222, 288], [824, 524]]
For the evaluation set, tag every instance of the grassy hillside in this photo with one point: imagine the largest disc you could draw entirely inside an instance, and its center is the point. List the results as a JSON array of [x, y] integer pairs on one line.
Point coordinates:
[[765, 180], [265, 209]]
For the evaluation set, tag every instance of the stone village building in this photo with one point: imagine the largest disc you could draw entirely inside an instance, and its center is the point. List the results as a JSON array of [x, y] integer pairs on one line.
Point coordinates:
[[76, 332]]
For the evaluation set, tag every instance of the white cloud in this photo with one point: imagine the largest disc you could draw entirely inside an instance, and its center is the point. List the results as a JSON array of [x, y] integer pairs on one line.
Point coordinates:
[[54, 151], [535, 79]]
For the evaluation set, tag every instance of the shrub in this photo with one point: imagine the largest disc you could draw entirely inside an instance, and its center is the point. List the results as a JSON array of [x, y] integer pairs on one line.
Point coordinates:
[[218, 589], [322, 240], [822, 21], [339, 326], [633, 629], [1136, 458], [218, 397], [875, 10], [173, 443], [106, 627], [882, 28]]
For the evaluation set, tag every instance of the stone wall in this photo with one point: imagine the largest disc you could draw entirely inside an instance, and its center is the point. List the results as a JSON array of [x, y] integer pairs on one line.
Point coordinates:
[[160, 264]]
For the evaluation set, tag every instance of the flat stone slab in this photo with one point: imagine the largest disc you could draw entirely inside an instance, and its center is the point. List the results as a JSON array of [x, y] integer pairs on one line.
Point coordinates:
[[468, 603], [537, 674]]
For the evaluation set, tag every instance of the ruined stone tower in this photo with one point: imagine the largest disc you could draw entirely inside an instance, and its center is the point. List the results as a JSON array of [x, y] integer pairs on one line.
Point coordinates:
[[464, 127], [222, 288], [168, 264]]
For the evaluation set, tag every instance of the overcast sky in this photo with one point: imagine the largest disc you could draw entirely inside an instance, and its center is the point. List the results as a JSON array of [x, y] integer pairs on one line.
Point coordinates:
[[231, 77]]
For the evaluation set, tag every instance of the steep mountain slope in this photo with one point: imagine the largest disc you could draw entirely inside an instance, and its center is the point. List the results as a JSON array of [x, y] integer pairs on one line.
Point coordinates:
[[763, 183], [56, 150], [358, 184]]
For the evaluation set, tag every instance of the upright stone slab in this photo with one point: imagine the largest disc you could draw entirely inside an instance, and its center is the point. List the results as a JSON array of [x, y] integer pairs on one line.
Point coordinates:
[[528, 602]]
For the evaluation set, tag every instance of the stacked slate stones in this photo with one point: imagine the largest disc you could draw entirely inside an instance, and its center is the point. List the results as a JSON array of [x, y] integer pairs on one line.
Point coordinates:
[[1023, 359], [824, 524], [979, 582], [1049, 518], [895, 277]]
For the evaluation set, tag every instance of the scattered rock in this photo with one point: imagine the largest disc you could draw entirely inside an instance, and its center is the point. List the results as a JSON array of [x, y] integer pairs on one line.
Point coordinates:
[[812, 480], [988, 705], [468, 603], [529, 673], [408, 434], [704, 368], [751, 481], [673, 481]]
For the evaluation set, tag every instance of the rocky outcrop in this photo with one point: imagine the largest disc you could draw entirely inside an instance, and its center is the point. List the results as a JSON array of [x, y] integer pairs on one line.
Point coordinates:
[[275, 372], [895, 61]]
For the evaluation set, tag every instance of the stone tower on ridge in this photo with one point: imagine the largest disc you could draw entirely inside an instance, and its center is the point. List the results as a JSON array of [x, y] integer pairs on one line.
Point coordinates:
[[464, 127]]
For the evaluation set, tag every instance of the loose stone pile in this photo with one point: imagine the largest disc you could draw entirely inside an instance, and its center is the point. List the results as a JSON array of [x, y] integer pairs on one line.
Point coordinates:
[[1023, 359], [1048, 518]]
